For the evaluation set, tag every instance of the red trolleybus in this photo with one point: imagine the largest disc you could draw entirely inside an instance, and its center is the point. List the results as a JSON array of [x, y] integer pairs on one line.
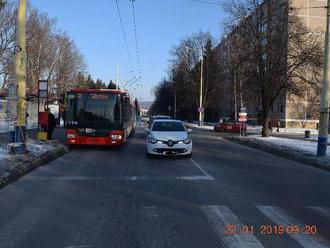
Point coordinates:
[[99, 117]]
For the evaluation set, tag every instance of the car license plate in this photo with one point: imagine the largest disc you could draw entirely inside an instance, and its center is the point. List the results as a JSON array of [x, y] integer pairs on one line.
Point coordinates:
[[229, 127]]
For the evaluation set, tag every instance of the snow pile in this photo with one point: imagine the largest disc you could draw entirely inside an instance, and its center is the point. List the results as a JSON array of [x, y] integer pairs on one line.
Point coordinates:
[[38, 148], [196, 126], [4, 153], [292, 144]]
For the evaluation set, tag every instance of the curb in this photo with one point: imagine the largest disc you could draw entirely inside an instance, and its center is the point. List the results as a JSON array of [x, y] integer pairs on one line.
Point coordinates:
[[294, 155], [27, 163]]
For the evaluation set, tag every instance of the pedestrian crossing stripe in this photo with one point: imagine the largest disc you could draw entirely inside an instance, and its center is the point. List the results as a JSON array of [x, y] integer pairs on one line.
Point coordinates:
[[280, 217], [221, 216]]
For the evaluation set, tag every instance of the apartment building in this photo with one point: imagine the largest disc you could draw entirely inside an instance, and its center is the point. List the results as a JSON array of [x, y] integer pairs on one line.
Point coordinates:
[[290, 110]]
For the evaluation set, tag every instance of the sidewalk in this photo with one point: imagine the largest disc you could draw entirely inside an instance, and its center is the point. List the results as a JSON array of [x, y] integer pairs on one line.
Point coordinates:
[[39, 153]]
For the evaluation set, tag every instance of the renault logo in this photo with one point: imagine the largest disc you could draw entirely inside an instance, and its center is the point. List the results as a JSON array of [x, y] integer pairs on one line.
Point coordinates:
[[170, 143]]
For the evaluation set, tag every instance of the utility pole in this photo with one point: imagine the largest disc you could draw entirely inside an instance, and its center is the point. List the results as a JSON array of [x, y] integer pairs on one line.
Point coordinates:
[[324, 113], [201, 110], [20, 71]]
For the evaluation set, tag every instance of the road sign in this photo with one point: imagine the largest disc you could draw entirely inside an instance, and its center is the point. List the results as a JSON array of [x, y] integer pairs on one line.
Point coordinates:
[[200, 109]]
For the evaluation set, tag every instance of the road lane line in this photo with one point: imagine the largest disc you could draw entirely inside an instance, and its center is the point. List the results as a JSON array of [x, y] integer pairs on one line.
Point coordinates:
[[196, 178], [207, 175], [221, 216], [279, 217], [324, 211]]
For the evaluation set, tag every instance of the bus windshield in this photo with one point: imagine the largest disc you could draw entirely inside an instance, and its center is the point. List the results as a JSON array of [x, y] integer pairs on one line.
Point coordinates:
[[94, 110]]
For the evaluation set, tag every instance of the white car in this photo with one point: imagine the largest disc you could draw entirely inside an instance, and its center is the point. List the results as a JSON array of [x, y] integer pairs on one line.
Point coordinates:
[[169, 137]]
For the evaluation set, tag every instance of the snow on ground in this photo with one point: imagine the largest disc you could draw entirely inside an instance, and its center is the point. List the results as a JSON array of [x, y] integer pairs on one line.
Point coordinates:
[[4, 153], [299, 145], [258, 128], [196, 126], [38, 147], [3, 127]]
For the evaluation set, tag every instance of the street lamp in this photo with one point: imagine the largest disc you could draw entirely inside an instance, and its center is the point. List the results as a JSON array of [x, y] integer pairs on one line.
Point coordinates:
[[200, 108]]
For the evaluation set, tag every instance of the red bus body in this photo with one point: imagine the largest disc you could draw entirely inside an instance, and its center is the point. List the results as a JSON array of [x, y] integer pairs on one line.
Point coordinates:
[[89, 113]]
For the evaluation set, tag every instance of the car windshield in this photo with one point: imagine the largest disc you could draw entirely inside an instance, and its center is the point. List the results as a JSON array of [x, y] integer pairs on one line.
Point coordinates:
[[168, 126]]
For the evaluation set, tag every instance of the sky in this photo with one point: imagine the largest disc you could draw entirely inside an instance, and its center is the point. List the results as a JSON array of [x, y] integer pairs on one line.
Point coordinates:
[[160, 24]]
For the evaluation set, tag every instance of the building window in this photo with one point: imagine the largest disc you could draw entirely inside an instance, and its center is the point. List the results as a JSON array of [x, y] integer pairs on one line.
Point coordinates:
[[280, 109]]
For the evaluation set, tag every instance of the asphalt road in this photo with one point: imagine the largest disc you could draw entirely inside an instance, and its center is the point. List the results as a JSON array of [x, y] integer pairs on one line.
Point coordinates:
[[108, 198]]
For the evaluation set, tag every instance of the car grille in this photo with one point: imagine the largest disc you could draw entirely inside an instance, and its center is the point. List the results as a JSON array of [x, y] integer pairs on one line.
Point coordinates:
[[170, 143], [170, 151]]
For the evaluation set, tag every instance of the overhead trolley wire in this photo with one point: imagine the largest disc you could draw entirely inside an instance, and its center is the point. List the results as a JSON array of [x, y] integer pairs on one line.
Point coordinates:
[[124, 35], [136, 39]]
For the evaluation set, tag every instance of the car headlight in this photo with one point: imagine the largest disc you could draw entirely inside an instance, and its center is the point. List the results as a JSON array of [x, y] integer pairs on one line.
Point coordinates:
[[187, 141], [152, 140], [116, 136]]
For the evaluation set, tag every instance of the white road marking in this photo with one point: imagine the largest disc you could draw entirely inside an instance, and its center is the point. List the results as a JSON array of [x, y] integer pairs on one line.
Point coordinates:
[[196, 178], [279, 217], [207, 175], [219, 217], [324, 211]]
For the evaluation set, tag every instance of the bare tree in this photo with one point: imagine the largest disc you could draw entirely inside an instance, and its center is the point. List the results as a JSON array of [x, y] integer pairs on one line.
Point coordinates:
[[7, 39]]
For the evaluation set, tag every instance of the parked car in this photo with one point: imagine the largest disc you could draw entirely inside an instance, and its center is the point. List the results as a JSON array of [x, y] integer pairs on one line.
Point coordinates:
[[230, 126], [169, 137]]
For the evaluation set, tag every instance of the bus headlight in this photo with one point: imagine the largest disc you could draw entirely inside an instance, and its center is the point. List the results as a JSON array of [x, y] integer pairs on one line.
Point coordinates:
[[71, 136]]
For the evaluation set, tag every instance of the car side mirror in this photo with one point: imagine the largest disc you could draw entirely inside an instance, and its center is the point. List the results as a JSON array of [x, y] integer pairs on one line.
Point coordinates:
[[189, 130]]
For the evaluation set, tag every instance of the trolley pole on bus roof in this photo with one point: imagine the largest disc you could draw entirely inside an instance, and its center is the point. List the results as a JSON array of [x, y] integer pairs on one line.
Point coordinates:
[[117, 79], [20, 71], [324, 113]]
